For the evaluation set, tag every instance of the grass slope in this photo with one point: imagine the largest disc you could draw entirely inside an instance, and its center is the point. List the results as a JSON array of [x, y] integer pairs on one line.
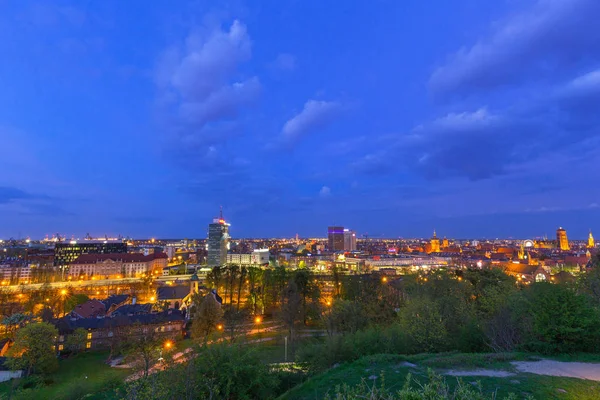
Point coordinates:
[[393, 370], [86, 373]]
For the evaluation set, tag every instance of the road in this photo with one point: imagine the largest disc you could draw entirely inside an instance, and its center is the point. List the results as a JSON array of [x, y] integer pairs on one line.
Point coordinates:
[[95, 282]]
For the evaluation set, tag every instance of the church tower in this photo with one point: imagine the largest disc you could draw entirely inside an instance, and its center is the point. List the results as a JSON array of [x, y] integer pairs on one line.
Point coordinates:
[[591, 244], [434, 243]]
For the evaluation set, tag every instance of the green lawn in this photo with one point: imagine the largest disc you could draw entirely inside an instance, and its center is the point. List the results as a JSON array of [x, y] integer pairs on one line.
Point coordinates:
[[77, 376], [393, 370]]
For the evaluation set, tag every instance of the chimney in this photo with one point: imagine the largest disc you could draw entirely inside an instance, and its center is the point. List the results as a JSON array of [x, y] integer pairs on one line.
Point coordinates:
[[133, 300]]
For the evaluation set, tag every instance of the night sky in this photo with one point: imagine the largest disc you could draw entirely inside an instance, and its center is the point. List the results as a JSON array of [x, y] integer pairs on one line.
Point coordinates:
[[476, 118]]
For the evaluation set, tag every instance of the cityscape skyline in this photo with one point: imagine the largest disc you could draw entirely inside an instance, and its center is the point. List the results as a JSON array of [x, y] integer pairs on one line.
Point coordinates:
[[116, 118]]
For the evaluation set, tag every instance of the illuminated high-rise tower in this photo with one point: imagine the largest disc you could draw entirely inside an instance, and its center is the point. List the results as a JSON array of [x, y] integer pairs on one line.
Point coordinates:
[[591, 244], [335, 238], [561, 239], [218, 241]]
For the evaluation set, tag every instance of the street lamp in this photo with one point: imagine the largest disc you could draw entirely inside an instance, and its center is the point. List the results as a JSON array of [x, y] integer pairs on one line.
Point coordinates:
[[257, 321], [63, 293]]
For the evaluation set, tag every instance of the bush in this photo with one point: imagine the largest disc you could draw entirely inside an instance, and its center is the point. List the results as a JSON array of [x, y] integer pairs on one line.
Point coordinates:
[[319, 356], [555, 319], [435, 389]]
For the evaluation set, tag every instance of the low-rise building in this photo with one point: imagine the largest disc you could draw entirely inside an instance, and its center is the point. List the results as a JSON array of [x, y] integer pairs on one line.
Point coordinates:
[[106, 332], [15, 272], [257, 257], [88, 266]]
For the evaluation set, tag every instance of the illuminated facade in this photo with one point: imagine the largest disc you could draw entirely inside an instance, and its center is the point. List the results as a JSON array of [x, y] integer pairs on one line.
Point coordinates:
[[434, 243], [561, 239], [591, 244], [349, 240], [218, 242], [445, 243]]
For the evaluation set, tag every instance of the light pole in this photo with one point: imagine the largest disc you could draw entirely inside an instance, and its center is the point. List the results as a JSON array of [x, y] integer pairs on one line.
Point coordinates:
[[285, 356]]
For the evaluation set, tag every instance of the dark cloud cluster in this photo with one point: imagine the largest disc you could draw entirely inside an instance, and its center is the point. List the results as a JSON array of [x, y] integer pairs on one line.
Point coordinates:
[[10, 194], [554, 40], [540, 43]]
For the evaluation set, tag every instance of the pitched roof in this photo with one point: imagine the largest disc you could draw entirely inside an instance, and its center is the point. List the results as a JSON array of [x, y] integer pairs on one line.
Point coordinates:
[[117, 257], [522, 269], [115, 299], [172, 292], [132, 309], [91, 308], [66, 324]]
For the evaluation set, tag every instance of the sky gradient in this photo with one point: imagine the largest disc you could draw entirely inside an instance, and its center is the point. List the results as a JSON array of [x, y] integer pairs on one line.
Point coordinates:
[[476, 118]]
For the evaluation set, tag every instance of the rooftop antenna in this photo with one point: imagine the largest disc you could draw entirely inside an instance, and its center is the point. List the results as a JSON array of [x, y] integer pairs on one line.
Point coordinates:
[[220, 212]]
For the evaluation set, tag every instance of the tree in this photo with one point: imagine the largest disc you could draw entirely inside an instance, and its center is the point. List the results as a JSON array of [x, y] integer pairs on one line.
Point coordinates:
[[16, 321], [142, 345], [291, 304], [255, 276], [76, 341], [309, 292], [74, 300], [556, 319], [208, 314], [33, 349], [422, 321], [344, 316]]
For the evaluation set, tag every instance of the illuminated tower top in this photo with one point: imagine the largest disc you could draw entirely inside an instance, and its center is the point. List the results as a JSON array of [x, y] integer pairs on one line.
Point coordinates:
[[561, 239], [591, 244], [434, 243]]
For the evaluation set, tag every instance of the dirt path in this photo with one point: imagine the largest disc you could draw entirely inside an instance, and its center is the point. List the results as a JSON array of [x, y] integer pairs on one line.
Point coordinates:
[[480, 372], [579, 370]]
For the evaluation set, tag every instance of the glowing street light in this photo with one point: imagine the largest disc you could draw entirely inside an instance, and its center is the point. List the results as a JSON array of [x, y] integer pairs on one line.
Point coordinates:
[[384, 279], [152, 298], [258, 320], [219, 327], [168, 344]]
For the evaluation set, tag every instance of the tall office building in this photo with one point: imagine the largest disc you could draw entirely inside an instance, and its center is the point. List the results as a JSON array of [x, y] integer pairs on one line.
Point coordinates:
[[349, 240], [218, 241], [561, 239], [335, 236]]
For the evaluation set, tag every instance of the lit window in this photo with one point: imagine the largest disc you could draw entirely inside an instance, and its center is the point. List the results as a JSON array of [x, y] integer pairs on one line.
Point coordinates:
[[89, 335], [61, 338], [88, 345], [60, 347]]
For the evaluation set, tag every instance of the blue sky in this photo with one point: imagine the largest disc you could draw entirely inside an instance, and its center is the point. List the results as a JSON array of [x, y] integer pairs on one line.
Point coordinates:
[[477, 118]]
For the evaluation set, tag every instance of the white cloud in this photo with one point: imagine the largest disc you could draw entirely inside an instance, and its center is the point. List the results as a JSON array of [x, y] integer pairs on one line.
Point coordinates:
[[325, 192], [200, 92], [284, 62], [315, 114]]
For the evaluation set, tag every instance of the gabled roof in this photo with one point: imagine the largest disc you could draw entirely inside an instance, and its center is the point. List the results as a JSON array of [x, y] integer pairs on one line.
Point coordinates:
[[115, 299], [173, 292], [89, 309], [67, 325], [132, 309]]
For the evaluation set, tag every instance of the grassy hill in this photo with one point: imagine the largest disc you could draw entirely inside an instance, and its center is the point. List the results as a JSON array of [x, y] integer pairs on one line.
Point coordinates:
[[392, 371]]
